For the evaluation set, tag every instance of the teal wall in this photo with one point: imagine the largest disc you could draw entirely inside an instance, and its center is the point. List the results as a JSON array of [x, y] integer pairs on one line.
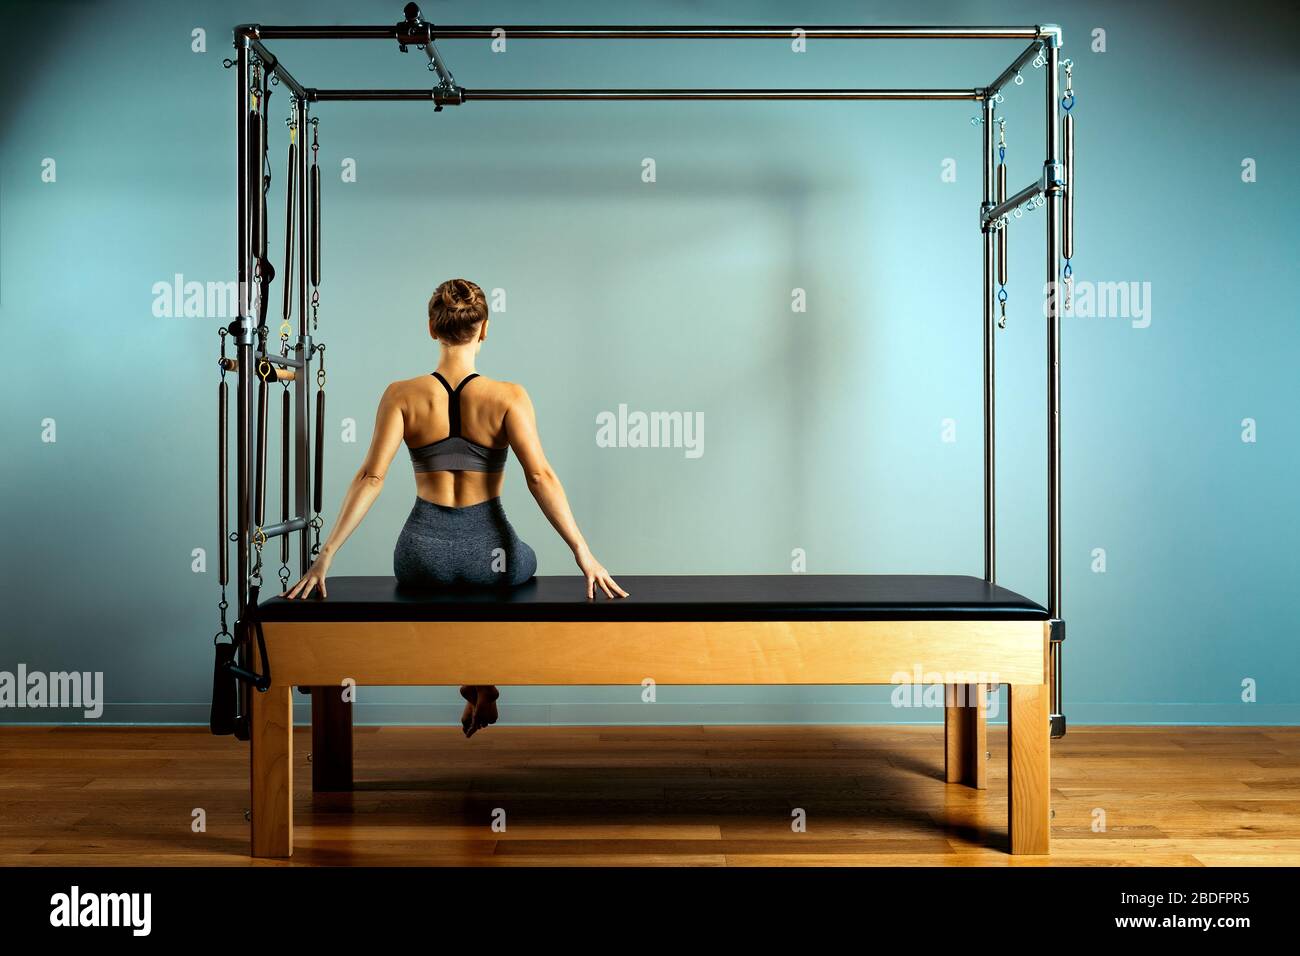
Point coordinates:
[[823, 429]]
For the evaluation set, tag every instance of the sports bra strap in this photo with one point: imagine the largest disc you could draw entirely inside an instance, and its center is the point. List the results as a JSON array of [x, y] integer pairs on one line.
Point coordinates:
[[453, 402]]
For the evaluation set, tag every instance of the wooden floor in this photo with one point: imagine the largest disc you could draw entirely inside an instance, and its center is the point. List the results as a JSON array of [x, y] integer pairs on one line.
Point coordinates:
[[707, 796]]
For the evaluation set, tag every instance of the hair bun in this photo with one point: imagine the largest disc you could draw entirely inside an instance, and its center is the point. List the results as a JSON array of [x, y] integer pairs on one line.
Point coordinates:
[[456, 308], [458, 291]]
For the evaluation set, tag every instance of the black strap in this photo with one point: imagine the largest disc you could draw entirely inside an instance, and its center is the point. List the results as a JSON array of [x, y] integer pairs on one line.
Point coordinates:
[[251, 624], [224, 718], [453, 402], [229, 713]]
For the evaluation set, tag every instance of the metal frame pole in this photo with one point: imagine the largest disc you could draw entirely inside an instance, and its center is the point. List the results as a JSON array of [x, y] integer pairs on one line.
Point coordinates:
[[273, 65], [443, 97], [1053, 210], [1052, 178], [248, 41], [990, 498], [403, 34], [1016, 66], [302, 411], [243, 336], [244, 349]]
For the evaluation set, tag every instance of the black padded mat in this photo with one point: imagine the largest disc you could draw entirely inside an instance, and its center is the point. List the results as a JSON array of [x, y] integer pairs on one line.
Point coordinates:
[[760, 597]]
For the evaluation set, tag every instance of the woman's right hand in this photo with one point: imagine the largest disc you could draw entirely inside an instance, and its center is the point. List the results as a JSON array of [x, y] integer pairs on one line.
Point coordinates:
[[313, 579], [596, 574]]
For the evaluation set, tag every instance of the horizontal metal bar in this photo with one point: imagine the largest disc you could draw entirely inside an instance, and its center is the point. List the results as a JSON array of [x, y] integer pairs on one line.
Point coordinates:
[[1009, 73], [629, 32], [432, 96], [272, 63], [288, 361], [1002, 208], [284, 527]]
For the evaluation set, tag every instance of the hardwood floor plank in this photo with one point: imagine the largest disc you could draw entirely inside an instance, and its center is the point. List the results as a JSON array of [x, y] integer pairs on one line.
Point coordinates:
[[622, 796]]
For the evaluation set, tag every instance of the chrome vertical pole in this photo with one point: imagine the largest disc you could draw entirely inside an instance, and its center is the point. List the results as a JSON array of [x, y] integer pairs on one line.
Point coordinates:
[[1053, 207], [1053, 179], [244, 326], [244, 331], [990, 499]]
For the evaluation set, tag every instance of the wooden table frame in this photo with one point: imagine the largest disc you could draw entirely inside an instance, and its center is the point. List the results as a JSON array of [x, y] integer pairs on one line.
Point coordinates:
[[975, 653]]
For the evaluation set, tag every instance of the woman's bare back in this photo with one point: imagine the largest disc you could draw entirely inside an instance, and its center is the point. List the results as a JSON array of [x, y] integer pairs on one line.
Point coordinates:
[[493, 416], [484, 404]]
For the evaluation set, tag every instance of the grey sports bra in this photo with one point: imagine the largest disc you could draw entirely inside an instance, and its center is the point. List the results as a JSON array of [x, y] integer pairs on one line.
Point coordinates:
[[455, 452]]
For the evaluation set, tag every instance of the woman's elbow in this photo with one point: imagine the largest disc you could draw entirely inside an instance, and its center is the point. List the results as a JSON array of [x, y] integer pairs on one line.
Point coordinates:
[[541, 478], [369, 480]]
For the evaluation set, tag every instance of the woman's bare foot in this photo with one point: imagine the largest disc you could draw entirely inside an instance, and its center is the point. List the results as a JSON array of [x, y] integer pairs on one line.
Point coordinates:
[[470, 694], [485, 707]]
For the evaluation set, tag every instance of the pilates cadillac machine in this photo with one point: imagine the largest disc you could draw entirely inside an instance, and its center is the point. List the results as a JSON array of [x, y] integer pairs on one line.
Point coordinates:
[[768, 629]]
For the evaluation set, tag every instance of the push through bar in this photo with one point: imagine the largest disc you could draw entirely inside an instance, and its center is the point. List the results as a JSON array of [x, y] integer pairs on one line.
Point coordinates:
[[284, 527]]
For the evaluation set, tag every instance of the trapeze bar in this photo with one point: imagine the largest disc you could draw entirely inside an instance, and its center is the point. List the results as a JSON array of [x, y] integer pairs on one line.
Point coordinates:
[[439, 98], [274, 375], [284, 527], [1010, 72], [1002, 208], [625, 32]]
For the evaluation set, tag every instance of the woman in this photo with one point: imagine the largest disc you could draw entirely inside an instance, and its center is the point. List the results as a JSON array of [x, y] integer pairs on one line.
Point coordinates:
[[459, 428]]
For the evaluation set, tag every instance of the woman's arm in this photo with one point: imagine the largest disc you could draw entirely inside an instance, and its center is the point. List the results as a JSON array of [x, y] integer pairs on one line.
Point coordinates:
[[521, 432], [366, 485]]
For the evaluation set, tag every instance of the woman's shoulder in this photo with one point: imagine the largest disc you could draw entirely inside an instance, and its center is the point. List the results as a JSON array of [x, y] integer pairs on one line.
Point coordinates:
[[495, 390], [507, 391], [406, 386]]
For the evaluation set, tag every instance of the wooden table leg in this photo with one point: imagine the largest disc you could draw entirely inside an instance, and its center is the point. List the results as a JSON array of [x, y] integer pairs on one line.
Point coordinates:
[[1029, 773], [271, 741], [331, 740], [965, 735]]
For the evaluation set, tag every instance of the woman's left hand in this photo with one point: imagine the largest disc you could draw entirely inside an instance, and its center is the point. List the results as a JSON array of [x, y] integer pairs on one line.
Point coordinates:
[[314, 578], [597, 576]]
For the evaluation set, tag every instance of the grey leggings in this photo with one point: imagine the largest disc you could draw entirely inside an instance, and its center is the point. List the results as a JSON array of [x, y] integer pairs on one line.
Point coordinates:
[[442, 546]]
